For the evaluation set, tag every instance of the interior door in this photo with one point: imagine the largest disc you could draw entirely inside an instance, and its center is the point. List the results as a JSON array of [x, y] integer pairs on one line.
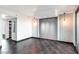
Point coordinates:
[[48, 28]]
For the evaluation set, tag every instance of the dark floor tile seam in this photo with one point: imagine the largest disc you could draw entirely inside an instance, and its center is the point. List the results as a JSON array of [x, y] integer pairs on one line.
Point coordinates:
[[53, 44], [54, 47], [59, 48], [43, 47], [67, 48], [47, 47], [37, 46], [40, 47], [61, 44], [38, 43]]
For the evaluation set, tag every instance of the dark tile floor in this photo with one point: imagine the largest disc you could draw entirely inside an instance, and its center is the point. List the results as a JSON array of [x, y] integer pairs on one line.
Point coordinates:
[[36, 46]]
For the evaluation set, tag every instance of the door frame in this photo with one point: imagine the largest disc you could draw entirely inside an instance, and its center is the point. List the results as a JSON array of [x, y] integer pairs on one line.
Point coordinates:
[[14, 29], [76, 27]]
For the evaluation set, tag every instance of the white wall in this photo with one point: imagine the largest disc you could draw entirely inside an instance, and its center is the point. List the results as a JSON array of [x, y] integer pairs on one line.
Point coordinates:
[[35, 27], [2, 29], [66, 30], [24, 27], [7, 28]]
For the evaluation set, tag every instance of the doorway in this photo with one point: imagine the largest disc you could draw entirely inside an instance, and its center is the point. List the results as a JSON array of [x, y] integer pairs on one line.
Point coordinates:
[[9, 35], [11, 28], [48, 28]]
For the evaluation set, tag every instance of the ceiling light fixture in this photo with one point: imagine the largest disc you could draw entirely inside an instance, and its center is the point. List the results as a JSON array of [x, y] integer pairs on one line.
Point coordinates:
[[64, 16], [64, 19], [3, 16], [34, 22]]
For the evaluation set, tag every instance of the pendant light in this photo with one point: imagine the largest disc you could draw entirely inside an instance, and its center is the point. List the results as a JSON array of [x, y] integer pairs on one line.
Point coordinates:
[[34, 21], [64, 16]]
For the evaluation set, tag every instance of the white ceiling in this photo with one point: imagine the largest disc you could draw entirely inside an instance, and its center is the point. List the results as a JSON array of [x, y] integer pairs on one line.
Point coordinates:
[[39, 10]]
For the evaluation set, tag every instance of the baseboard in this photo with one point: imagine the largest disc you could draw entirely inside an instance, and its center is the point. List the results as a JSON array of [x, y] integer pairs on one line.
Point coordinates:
[[24, 39], [52, 40], [12, 40], [44, 39]]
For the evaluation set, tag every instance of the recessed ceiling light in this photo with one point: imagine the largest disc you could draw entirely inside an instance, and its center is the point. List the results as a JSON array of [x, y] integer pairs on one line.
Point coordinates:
[[3, 16]]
